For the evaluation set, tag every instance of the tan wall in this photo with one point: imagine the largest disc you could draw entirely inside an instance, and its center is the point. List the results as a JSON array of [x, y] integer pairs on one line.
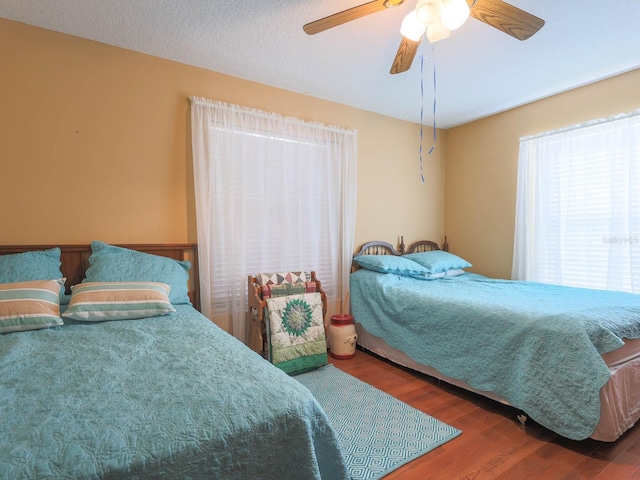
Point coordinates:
[[95, 144], [482, 161]]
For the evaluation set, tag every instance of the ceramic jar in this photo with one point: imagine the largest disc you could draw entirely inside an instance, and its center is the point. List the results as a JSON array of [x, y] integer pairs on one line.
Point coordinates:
[[342, 337]]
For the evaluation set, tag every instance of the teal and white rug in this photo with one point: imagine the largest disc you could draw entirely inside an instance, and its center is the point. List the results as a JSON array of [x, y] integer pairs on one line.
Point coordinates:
[[377, 432]]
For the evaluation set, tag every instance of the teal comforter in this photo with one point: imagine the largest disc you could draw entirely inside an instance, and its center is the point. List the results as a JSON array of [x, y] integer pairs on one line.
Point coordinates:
[[162, 397], [536, 345]]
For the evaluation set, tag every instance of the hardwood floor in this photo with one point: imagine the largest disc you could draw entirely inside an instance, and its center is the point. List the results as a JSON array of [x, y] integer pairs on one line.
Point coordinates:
[[493, 444]]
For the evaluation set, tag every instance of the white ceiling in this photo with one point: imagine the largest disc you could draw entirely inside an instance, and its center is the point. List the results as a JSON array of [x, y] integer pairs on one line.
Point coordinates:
[[479, 70]]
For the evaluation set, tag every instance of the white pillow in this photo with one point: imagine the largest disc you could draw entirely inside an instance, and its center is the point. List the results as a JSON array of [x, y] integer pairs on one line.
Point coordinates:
[[454, 272]]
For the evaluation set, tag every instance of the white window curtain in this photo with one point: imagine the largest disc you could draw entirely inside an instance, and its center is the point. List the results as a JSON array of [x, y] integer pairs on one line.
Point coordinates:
[[578, 206], [273, 194]]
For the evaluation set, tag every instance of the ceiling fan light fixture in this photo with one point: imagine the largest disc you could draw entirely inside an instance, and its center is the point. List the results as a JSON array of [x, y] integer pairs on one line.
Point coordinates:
[[428, 11], [437, 31], [437, 15], [412, 28], [454, 13]]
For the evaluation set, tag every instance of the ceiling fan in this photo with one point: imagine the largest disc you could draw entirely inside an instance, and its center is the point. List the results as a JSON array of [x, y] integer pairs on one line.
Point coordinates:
[[435, 19]]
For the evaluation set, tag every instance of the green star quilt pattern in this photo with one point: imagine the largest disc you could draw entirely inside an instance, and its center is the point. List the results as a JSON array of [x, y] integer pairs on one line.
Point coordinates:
[[296, 332]]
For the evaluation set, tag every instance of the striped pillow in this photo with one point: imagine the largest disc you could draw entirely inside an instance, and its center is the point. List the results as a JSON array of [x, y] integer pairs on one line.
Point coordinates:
[[99, 301], [30, 305]]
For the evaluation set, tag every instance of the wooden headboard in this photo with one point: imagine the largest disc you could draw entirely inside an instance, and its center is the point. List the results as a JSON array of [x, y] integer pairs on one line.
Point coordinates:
[[379, 247], [75, 260], [385, 248]]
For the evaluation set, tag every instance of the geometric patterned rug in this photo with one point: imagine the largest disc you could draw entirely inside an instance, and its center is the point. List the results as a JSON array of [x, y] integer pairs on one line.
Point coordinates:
[[377, 432]]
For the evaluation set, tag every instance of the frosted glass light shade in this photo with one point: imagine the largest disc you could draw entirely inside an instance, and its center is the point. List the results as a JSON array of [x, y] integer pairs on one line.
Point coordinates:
[[412, 28], [428, 11], [454, 13]]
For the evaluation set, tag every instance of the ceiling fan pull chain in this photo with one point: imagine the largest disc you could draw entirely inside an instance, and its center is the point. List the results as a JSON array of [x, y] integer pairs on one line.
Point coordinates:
[[433, 145], [421, 110]]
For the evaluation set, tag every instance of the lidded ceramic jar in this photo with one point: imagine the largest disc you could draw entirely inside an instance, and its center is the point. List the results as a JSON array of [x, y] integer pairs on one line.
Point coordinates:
[[342, 337]]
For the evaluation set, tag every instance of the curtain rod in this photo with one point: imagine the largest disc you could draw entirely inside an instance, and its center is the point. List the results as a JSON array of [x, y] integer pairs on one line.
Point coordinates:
[[267, 115]]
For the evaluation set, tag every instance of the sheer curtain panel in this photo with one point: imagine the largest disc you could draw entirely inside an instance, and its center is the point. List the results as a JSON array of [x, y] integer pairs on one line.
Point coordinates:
[[273, 194], [578, 206]]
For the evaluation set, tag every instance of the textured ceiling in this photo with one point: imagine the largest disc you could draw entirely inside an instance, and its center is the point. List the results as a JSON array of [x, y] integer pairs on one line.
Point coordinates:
[[479, 70]]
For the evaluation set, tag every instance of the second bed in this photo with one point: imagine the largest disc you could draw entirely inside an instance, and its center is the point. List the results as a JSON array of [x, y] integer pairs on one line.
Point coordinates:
[[569, 358]]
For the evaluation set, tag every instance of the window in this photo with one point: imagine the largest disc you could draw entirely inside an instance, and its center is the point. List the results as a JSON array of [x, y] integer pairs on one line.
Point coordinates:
[[578, 206], [273, 194]]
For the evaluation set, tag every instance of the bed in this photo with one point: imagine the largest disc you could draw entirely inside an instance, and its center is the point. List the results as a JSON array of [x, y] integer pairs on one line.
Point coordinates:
[[169, 395], [567, 358]]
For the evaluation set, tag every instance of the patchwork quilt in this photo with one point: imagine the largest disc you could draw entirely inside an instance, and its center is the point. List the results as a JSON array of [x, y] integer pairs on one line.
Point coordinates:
[[297, 341]]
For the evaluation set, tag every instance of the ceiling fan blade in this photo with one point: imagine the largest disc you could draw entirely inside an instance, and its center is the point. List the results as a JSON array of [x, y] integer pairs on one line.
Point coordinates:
[[506, 18], [404, 58], [348, 15]]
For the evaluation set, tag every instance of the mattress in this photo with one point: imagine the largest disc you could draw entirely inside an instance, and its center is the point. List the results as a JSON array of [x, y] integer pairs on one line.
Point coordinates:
[[171, 397], [533, 346]]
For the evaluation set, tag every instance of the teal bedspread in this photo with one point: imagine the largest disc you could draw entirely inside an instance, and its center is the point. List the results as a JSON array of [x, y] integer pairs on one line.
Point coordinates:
[[164, 397], [536, 345]]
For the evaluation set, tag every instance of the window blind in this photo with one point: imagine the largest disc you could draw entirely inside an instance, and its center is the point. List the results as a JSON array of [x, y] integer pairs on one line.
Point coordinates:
[[578, 206]]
